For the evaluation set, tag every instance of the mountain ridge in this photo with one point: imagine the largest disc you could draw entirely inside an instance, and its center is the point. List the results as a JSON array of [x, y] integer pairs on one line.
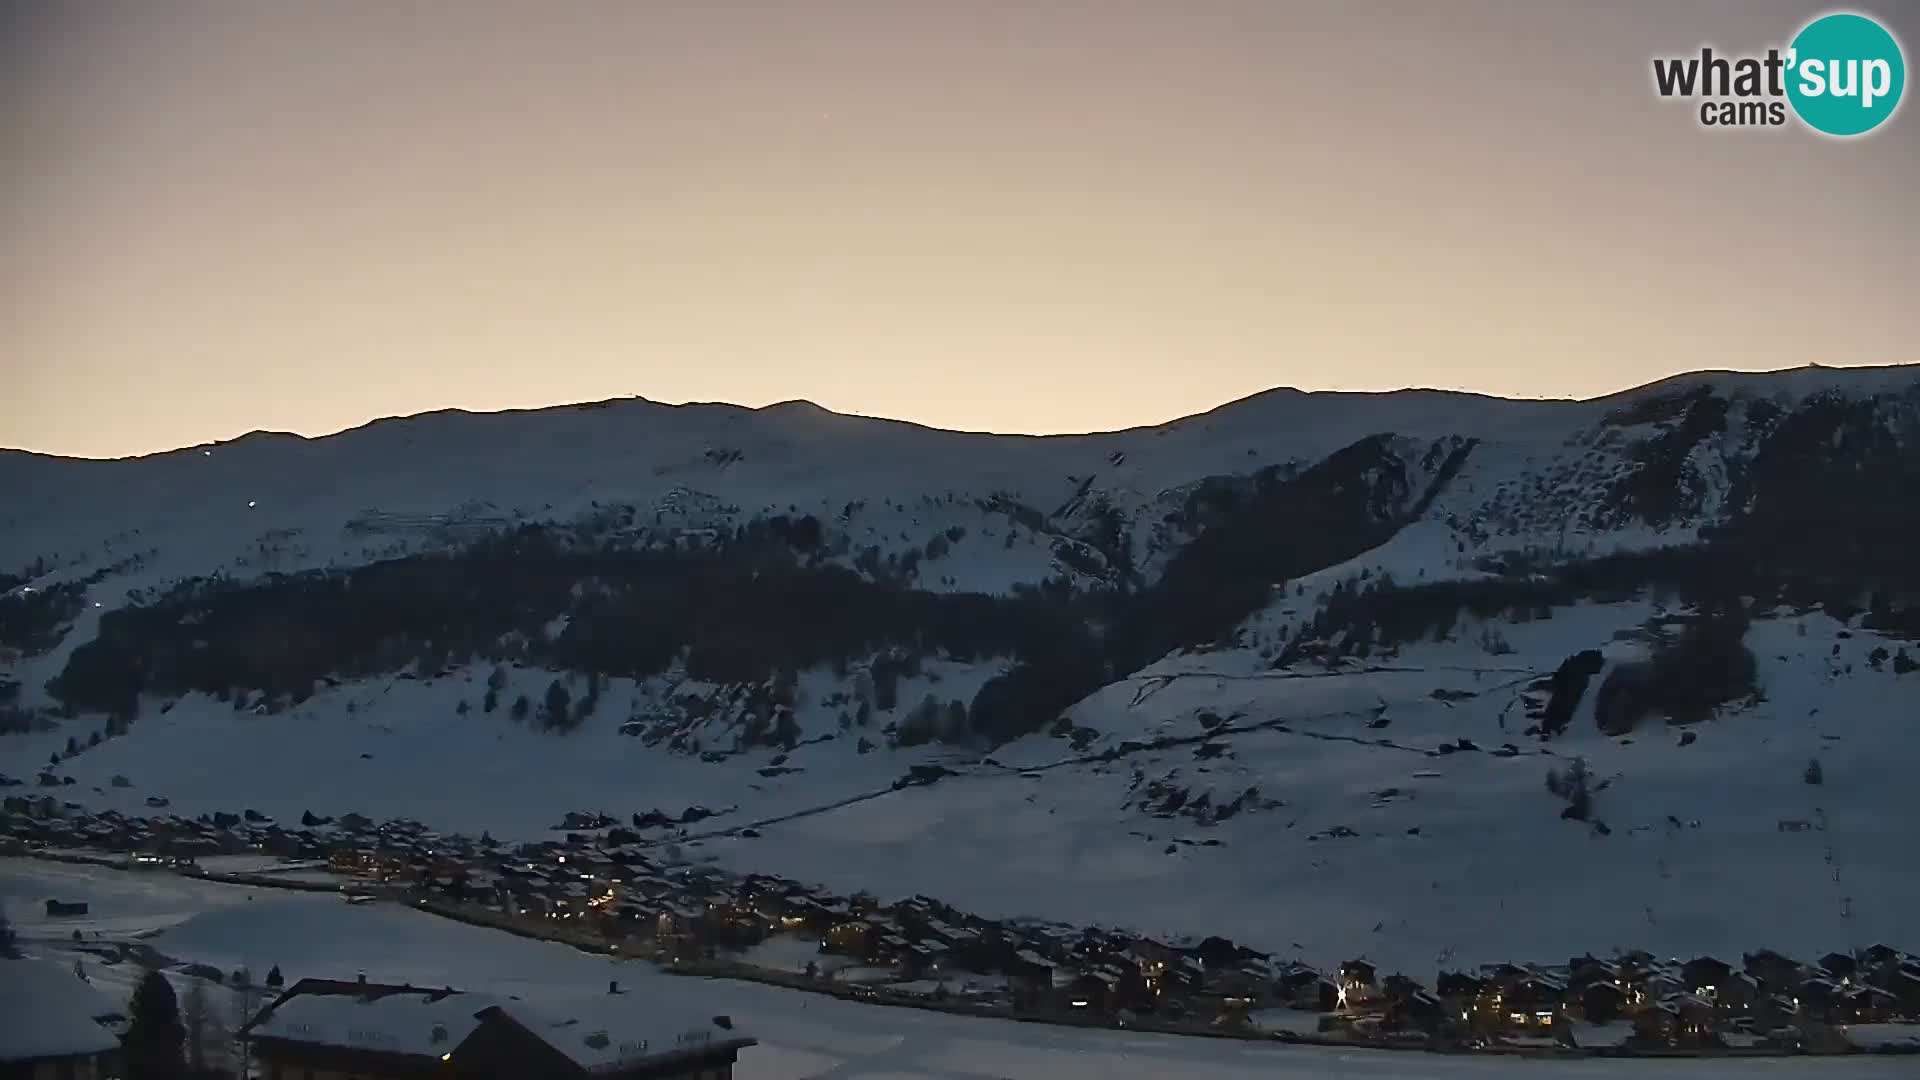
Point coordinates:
[[1868, 372]]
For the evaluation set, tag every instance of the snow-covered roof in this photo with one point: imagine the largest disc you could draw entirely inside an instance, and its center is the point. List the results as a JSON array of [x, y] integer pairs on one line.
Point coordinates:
[[416, 1022], [46, 1011], [603, 1033]]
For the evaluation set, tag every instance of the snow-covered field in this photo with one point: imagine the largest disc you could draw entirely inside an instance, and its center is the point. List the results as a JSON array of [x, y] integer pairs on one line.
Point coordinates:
[[802, 1036], [122, 904]]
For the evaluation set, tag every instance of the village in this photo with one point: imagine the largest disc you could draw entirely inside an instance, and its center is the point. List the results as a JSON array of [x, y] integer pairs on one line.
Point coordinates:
[[621, 889]]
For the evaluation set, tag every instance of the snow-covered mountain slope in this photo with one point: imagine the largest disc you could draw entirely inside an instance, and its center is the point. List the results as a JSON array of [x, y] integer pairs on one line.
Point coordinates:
[[1340, 813], [277, 503], [1293, 671]]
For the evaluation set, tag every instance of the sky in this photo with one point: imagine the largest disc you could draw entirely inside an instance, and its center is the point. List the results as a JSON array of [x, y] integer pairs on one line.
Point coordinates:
[[990, 215]]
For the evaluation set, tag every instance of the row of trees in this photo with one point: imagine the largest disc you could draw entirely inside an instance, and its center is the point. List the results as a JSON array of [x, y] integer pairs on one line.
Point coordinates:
[[34, 619], [33, 622], [733, 613], [1653, 490], [933, 721], [1828, 495], [1385, 613], [192, 1038], [1251, 534], [1691, 673]]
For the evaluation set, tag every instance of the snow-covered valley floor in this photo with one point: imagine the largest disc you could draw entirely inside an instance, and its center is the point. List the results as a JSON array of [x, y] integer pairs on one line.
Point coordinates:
[[802, 1036]]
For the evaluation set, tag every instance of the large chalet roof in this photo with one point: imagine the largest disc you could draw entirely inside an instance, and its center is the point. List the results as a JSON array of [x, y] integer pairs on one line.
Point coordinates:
[[617, 1032], [46, 1011], [377, 1017]]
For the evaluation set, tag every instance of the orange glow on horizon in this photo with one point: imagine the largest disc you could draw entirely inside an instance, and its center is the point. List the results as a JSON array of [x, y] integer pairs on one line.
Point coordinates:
[[1032, 218]]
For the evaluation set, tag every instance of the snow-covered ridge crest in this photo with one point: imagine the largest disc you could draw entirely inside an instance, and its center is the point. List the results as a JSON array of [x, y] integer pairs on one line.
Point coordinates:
[[280, 502]]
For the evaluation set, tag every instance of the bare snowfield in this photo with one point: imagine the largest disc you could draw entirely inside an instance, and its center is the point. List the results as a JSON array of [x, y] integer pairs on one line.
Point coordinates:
[[122, 904], [802, 1036]]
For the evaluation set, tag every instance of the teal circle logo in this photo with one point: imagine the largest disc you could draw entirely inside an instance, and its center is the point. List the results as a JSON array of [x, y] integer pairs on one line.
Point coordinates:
[[1845, 74]]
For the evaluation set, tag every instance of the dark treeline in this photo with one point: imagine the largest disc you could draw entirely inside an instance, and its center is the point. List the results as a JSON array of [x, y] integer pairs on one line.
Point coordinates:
[[1253, 534], [1820, 519], [1690, 674], [1386, 614], [1653, 491], [1831, 494], [760, 602], [739, 611], [1359, 617], [33, 622], [35, 619]]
